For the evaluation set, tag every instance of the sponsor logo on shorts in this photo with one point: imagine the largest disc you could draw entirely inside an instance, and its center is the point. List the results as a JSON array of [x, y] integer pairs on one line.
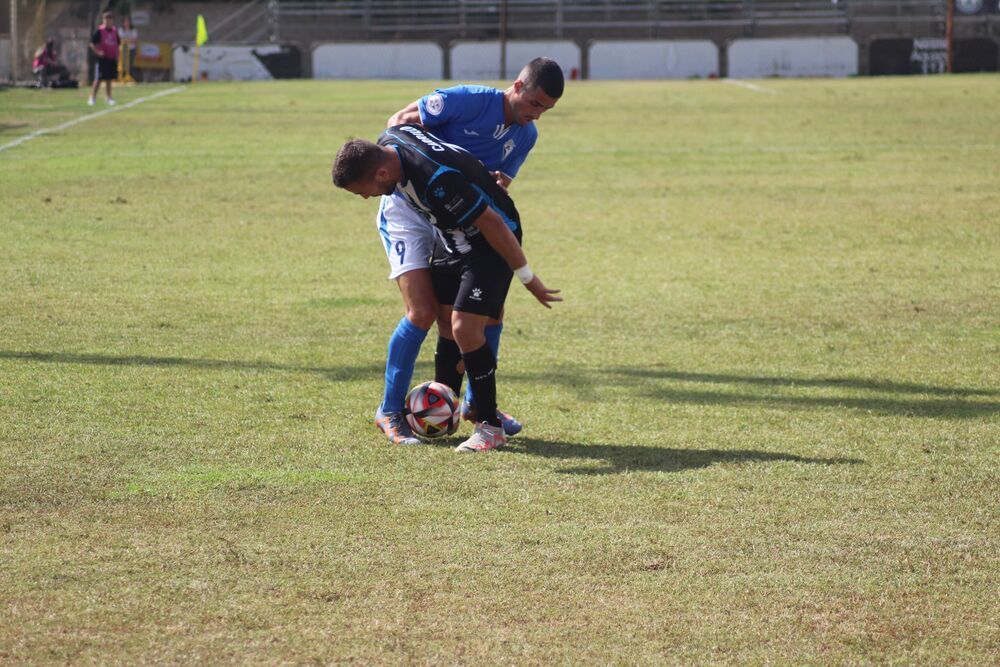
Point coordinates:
[[477, 294]]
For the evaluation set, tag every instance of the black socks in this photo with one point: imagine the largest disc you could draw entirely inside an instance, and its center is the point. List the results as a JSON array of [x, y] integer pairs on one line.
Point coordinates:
[[481, 366], [446, 360]]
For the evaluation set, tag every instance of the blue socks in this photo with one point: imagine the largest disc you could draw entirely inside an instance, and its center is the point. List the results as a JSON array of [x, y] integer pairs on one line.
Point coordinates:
[[493, 340], [404, 347]]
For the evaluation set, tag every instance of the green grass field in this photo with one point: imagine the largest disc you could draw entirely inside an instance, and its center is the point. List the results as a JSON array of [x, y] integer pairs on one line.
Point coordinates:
[[763, 427]]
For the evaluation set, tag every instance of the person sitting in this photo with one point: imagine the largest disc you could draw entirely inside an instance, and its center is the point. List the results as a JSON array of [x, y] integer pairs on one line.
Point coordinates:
[[46, 66]]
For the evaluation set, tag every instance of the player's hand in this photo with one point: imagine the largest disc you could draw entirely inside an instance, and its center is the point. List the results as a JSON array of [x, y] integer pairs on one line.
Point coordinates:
[[544, 295], [500, 180]]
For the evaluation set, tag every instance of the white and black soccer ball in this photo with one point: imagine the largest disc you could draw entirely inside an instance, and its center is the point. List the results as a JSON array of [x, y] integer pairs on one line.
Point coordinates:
[[432, 410]]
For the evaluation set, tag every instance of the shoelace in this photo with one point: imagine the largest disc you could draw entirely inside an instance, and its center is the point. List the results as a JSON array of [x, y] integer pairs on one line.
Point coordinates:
[[487, 436], [398, 423]]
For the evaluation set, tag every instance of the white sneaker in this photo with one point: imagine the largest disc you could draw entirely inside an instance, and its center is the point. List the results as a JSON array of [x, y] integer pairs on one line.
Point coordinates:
[[483, 439], [111, 102], [90, 101]]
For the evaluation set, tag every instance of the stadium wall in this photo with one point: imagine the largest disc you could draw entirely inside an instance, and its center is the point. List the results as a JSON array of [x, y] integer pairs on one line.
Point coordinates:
[[5, 66], [260, 62], [365, 60], [813, 56], [653, 59], [472, 61]]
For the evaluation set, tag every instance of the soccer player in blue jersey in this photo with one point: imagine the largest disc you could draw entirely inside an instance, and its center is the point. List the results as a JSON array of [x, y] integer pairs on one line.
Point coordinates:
[[479, 229], [497, 127]]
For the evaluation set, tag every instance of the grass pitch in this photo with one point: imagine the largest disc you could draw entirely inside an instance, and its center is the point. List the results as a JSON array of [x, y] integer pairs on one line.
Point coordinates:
[[763, 426]]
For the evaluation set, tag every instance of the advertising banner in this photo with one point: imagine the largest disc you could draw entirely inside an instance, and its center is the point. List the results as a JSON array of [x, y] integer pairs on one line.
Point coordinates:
[[929, 55]]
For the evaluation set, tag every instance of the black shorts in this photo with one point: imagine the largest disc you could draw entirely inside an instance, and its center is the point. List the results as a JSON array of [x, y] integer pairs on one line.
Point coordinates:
[[476, 284], [106, 69]]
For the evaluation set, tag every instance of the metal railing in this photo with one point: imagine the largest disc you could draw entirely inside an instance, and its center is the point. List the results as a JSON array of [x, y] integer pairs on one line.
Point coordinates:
[[254, 21]]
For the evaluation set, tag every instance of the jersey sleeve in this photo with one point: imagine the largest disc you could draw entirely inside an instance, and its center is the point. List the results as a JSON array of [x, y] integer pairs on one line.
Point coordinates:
[[453, 198], [450, 105], [513, 163], [96, 37]]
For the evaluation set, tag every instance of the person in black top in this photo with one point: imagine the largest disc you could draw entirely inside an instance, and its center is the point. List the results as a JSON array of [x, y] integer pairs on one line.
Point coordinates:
[[481, 234], [104, 43]]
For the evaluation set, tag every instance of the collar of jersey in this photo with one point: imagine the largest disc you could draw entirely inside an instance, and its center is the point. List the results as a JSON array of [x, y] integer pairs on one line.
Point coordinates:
[[402, 168]]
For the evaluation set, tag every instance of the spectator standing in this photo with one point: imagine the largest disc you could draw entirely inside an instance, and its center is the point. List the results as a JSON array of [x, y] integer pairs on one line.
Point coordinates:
[[129, 35], [104, 43]]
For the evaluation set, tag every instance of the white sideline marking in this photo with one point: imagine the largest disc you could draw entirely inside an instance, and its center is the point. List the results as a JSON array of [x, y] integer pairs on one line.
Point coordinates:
[[749, 86], [97, 114]]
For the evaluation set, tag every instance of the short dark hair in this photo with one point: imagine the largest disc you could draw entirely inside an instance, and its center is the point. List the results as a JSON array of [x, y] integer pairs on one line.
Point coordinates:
[[357, 159], [546, 74]]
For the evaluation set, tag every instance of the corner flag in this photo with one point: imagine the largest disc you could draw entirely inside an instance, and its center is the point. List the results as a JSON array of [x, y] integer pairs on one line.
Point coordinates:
[[202, 36]]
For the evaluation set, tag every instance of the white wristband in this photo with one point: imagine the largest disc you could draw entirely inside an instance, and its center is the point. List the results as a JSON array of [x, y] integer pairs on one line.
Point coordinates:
[[524, 274]]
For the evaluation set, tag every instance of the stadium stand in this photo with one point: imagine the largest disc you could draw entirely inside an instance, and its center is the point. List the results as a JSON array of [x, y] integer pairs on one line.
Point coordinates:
[[305, 25]]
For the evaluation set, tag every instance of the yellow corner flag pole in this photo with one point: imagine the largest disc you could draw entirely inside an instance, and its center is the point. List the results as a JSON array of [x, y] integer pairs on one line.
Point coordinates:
[[201, 37]]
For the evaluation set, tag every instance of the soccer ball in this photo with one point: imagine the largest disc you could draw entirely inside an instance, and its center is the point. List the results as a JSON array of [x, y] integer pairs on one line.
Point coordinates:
[[432, 410]]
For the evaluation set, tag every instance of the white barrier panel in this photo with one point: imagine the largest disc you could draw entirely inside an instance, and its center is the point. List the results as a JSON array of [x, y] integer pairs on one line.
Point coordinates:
[[5, 72], [223, 63], [481, 60], [395, 60], [659, 59], [807, 56]]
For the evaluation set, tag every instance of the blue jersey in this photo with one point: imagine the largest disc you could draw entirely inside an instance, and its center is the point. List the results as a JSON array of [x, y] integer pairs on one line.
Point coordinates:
[[472, 117]]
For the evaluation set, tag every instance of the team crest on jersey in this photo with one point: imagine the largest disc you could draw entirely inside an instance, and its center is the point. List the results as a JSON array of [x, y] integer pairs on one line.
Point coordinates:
[[508, 148], [434, 104]]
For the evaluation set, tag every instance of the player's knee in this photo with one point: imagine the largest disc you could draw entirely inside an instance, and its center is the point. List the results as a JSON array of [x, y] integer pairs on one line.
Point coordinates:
[[468, 336], [444, 326], [422, 315]]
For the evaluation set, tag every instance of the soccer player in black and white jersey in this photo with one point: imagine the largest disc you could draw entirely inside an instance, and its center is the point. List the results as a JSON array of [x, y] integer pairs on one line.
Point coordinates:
[[481, 233]]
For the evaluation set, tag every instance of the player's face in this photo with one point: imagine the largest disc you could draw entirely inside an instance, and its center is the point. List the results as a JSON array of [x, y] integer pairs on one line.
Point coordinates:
[[530, 103], [376, 185], [109, 18]]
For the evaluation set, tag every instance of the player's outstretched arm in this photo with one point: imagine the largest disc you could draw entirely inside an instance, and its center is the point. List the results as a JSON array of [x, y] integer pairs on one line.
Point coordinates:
[[408, 115], [501, 239]]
